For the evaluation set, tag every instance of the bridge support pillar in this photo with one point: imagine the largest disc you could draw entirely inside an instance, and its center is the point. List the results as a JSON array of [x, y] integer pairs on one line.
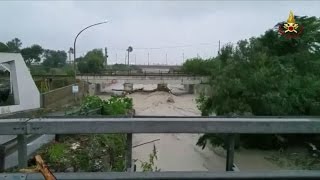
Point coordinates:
[[162, 86], [128, 86], [98, 88], [189, 88], [92, 89]]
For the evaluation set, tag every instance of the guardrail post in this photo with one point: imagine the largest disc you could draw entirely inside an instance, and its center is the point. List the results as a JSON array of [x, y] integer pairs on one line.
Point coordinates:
[[129, 153], [2, 158], [22, 151], [230, 152], [43, 100]]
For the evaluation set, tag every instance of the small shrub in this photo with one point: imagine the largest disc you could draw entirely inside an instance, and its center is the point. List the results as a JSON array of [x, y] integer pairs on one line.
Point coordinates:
[[57, 154], [150, 165], [91, 153], [90, 103], [113, 106]]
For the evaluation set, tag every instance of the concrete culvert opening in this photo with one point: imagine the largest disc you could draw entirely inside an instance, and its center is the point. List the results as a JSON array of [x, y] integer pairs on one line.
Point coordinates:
[[6, 90]]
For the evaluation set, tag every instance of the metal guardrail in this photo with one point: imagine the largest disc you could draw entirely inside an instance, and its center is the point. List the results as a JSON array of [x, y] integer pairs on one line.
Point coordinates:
[[117, 73], [142, 74], [74, 125], [231, 126], [266, 175], [11, 146], [52, 75]]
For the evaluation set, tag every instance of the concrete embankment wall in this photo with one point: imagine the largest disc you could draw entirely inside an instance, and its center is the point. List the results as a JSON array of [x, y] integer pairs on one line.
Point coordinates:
[[63, 96]]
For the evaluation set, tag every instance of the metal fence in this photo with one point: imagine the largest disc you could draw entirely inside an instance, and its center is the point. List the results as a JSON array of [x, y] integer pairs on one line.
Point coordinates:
[[137, 73], [64, 95], [94, 125], [117, 73]]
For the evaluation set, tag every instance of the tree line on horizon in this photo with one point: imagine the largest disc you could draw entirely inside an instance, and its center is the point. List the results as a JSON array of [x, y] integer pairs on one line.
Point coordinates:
[[35, 53], [92, 62]]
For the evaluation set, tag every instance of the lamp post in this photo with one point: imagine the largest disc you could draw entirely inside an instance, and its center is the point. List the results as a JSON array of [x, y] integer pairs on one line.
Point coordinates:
[[70, 52], [74, 47], [130, 49]]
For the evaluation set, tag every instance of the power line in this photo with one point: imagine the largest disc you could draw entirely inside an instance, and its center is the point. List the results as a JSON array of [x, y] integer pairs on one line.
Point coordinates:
[[219, 48], [164, 47], [180, 46]]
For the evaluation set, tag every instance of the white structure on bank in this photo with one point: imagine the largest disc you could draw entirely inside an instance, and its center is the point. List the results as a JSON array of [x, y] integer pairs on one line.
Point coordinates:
[[26, 93]]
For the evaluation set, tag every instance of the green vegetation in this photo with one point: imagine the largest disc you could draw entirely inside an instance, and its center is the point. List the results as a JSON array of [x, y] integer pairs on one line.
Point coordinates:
[[30, 54], [54, 62], [102, 152], [44, 70], [268, 75], [35, 53], [14, 45], [3, 47], [113, 106], [297, 161], [123, 67], [119, 67], [92, 62], [150, 165], [54, 59], [199, 66]]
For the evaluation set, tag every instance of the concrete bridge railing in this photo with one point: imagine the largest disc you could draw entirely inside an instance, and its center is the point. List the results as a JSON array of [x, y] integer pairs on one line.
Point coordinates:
[[141, 79]]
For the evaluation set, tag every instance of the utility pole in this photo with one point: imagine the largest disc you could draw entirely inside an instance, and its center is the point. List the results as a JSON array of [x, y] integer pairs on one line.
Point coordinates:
[[106, 56], [183, 57], [166, 59], [128, 58], [70, 52], [116, 58], [125, 58], [135, 59], [219, 48], [148, 58], [129, 51], [74, 48]]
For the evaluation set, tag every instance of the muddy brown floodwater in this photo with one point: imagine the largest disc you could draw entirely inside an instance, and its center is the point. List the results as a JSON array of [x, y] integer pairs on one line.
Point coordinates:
[[178, 152]]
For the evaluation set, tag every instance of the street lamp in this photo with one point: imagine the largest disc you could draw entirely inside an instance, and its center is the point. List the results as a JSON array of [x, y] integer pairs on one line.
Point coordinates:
[[130, 49], [74, 46]]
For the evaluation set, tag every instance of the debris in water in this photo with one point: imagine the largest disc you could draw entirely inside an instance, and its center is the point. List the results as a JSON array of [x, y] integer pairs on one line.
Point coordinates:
[[74, 146], [42, 168], [170, 100]]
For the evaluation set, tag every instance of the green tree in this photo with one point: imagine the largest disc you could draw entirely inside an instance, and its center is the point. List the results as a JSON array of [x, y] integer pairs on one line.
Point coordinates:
[[54, 59], [3, 47], [268, 75], [199, 66], [14, 45], [92, 62], [32, 54]]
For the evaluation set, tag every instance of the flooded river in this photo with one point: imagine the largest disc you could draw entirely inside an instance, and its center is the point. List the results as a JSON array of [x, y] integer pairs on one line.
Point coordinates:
[[178, 152]]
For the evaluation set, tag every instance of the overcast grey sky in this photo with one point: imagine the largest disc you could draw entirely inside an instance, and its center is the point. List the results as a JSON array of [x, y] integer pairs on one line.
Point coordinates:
[[195, 25]]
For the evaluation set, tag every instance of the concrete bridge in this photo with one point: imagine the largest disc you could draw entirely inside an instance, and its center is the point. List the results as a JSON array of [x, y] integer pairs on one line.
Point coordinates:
[[161, 79], [159, 68]]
